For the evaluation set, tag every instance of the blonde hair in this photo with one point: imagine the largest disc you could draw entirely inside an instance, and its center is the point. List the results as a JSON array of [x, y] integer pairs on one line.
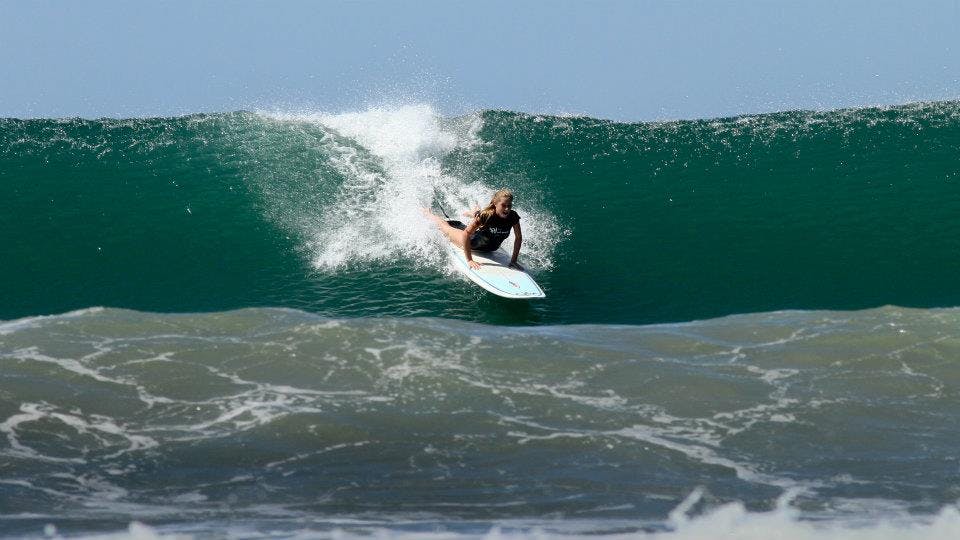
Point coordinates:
[[500, 195]]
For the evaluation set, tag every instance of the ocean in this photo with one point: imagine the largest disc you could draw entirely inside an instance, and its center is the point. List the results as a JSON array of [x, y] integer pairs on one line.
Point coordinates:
[[240, 325]]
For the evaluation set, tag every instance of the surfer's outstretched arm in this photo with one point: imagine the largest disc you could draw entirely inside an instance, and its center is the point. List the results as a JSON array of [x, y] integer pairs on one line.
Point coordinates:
[[467, 252], [517, 241]]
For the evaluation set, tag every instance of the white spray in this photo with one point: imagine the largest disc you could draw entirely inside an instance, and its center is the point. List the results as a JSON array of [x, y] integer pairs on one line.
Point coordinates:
[[391, 159]]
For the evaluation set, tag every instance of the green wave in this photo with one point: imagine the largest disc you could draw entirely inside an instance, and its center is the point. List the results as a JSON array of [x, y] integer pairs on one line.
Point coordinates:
[[623, 223]]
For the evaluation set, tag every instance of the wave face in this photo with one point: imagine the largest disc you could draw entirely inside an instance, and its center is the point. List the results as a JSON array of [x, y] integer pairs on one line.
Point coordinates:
[[623, 223], [281, 422]]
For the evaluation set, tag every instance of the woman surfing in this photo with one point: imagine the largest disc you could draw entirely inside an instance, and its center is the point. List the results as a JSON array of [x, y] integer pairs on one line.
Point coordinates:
[[489, 228]]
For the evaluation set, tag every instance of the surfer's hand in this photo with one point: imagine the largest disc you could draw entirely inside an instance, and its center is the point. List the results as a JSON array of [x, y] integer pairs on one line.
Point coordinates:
[[515, 264], [474, 264]]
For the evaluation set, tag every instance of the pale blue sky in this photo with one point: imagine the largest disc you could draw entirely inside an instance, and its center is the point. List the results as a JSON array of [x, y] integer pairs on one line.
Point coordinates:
[[626, 60]]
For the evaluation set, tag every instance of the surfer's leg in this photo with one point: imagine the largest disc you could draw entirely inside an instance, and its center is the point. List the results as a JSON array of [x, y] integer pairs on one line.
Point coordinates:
[[455, 235]]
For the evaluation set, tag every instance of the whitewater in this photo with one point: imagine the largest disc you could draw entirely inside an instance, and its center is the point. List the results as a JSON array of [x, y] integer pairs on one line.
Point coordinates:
[[241, 325]]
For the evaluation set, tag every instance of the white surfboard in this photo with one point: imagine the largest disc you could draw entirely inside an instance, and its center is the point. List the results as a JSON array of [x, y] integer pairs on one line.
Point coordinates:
[[495, 274]]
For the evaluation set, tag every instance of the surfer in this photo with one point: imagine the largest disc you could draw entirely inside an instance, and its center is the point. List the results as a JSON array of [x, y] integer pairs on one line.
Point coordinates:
[[489, 228]]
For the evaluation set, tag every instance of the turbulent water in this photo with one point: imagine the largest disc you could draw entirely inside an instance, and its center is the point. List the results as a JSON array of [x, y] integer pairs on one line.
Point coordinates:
[[750, 327]]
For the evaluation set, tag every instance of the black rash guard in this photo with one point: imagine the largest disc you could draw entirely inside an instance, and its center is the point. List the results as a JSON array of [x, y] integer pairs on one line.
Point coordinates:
[[492, 233]]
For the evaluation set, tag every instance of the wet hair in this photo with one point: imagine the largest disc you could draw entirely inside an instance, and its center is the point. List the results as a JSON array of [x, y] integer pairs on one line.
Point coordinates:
[[486, 213]]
